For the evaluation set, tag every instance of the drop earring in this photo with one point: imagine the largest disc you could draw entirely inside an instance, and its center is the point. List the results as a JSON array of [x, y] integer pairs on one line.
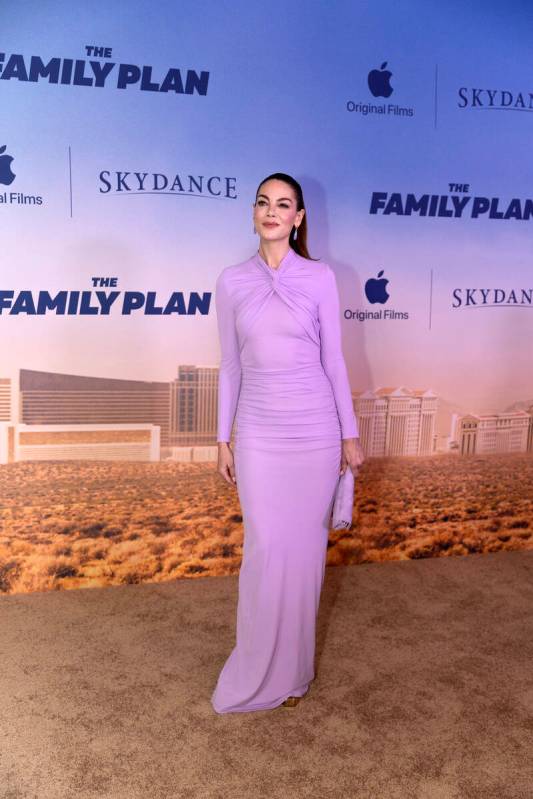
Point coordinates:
[[295, 233]]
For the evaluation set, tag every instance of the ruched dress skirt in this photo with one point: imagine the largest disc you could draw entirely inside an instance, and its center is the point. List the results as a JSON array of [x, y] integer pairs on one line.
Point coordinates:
[[287, 459]]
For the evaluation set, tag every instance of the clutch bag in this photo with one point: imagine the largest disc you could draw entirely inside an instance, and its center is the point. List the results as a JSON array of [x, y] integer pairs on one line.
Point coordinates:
[[341, 517]]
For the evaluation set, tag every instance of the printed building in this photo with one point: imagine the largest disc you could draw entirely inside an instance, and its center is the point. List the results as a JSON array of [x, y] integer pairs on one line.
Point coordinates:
[[193, 406], [494, 433], [51, 398], [396, 421], [5, 399], [52, 442], [185, 409]]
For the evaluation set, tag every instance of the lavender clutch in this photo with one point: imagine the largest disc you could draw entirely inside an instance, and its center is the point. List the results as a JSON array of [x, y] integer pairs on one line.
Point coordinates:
[[343, 501]]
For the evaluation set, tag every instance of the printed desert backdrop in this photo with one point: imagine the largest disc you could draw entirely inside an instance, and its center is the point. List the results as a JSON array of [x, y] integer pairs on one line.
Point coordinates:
[[120, 207], [78, 524]]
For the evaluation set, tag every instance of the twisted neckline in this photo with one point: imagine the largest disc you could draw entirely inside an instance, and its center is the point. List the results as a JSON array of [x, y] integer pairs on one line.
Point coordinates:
[[284, 261]]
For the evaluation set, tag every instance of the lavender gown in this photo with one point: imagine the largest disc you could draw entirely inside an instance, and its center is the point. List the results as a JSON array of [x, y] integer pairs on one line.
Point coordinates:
[[283, 377]]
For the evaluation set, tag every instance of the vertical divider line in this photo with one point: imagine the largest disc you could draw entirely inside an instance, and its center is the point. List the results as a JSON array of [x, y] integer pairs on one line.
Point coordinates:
[[436, 81], [430, 295], [70, 178]]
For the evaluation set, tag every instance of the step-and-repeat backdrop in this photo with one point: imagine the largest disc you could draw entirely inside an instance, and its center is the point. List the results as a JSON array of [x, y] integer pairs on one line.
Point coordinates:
[[132, 142]]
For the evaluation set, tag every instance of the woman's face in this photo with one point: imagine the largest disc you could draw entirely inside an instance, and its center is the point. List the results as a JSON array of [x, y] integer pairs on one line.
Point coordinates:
[[275, 211]]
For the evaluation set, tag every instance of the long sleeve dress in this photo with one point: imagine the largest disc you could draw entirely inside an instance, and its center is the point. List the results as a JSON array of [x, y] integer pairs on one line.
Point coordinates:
[[283, 381]]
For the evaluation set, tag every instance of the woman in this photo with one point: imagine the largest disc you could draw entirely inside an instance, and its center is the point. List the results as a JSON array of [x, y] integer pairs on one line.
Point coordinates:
[[283, 377]]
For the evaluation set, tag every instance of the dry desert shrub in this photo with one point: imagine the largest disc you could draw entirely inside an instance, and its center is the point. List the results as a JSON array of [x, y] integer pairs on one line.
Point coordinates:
[[72, 524]]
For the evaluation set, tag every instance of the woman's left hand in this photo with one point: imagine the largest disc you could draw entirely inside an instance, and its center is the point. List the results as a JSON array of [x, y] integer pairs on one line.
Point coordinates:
[[352, 455]]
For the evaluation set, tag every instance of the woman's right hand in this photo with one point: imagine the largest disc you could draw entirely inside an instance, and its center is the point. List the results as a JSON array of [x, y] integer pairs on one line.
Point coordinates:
[[226, 465]]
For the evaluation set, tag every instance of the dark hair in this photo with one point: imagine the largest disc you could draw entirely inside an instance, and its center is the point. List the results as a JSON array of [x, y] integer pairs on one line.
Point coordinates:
[[298, 244]]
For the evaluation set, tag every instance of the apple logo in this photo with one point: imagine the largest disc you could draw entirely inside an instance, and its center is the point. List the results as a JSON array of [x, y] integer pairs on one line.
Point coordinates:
[[6, 173], [379, 81], [375, 289]]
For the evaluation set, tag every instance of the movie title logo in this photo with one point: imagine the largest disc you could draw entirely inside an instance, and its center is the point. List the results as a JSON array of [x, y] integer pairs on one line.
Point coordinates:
[[457, 204], [100, 74], [97, 302]]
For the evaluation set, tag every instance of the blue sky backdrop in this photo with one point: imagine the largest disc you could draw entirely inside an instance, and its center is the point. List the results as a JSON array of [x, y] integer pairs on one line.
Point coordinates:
[[281, 76]]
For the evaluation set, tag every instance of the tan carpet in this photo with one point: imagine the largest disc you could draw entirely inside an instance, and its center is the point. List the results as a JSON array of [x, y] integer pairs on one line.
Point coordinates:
[[424, 690]]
